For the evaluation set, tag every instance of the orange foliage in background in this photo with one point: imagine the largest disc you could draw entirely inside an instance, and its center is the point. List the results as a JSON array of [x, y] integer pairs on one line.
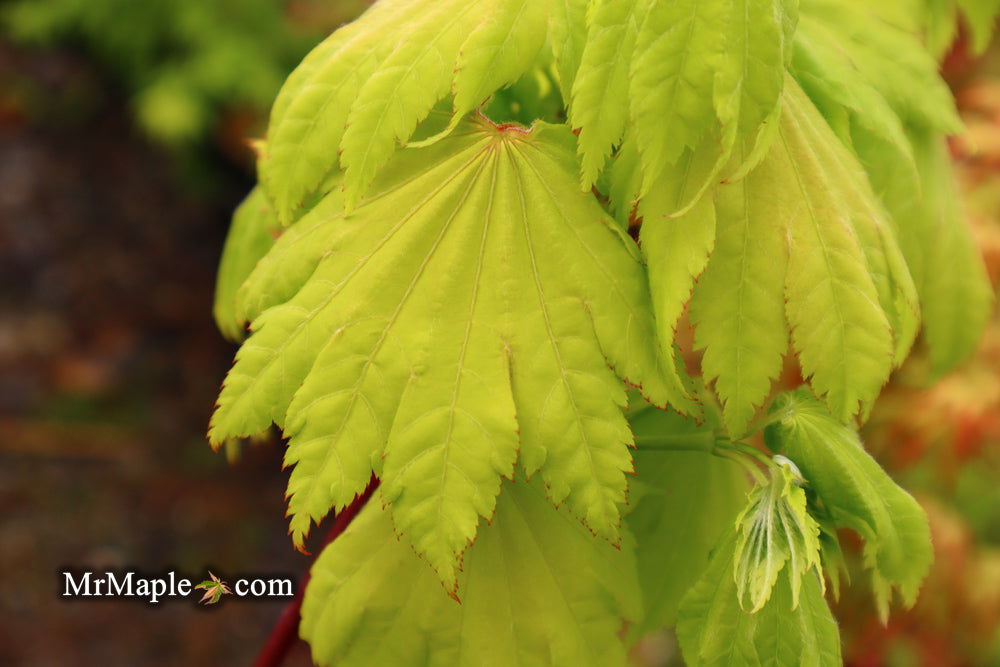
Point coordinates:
[[942, 442]]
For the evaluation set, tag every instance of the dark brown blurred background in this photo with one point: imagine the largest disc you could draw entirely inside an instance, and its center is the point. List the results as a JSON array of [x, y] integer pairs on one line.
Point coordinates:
[[120, 163]]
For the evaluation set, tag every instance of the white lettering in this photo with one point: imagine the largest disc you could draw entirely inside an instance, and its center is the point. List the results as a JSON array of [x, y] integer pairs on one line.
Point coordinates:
[[74, 588], [119, 588], [280, 588], [159, 588]]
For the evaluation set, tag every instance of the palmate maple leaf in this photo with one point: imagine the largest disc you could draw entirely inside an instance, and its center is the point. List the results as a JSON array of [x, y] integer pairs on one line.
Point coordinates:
[[215, 588], [476, 310]]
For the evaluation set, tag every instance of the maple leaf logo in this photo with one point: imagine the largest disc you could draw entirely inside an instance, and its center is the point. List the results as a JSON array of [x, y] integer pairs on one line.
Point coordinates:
[[215, 588]]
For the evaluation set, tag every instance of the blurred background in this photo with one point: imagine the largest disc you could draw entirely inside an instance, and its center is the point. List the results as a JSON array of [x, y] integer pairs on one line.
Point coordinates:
[[123, 127], [123, 150]]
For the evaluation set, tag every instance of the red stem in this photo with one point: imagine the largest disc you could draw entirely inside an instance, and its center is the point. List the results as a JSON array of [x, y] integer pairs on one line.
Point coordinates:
[[286, 630]]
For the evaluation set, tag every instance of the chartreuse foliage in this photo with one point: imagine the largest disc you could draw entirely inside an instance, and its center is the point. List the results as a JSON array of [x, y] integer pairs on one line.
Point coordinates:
[[369, 84], [251, 235], [461, 318], [452, 300], [857, 494], [770, 564], [942, 255], [803, 240], [537, 588], [673, 465], [937, 21], [940, 20], [775, 532], [713, 629]]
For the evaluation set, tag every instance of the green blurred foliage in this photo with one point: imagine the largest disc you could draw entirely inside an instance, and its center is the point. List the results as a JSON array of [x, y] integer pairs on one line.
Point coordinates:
[[183, 62], [942, 438]]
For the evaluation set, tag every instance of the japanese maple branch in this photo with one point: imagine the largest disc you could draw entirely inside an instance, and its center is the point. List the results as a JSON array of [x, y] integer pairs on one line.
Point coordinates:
[[286, 630], [709, 443]]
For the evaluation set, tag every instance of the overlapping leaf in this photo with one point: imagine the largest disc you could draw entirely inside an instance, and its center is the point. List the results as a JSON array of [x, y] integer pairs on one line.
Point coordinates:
[[601, 88], [676, 249], [939, 21], [850, 36], [251, 235], [878, 238], [738, 306], [697, 75], [981, 16], [802, 238], [714, 630], [684, 499], [857, 493], [839, 327], [537, 588], [568, 35], [940, 250], [678, 55], [880, 90], [463, 316], [499, 50], [854, 105], [368, 85], [870, 315], [954, 285], [687, 90]]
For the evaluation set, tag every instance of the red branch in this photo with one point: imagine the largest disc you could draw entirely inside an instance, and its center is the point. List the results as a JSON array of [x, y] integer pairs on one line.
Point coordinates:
[[286, 630]]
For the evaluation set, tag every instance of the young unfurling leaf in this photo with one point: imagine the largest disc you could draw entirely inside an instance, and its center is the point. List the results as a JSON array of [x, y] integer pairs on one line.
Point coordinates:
[[775, 533], [714, 630]]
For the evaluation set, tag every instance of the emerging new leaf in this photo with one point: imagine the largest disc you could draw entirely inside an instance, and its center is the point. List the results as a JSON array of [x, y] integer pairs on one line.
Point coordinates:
[[775, 530], [715, 631], [465, 314]]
